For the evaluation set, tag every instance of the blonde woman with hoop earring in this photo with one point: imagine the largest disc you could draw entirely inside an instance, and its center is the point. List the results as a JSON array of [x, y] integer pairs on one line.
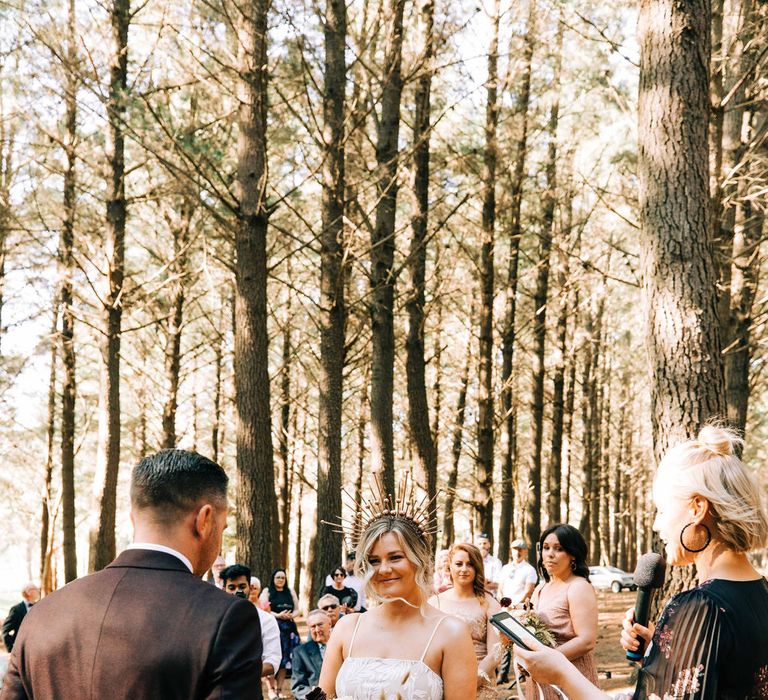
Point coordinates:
[[711, 642], [469, 601], [566, 602]]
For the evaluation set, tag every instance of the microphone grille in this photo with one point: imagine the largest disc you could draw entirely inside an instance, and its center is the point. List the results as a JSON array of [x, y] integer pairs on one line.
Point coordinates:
[[650, 570]]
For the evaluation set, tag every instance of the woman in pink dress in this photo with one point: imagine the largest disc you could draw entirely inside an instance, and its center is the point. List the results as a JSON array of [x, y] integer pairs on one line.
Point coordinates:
[[566, 602], [470, 602]]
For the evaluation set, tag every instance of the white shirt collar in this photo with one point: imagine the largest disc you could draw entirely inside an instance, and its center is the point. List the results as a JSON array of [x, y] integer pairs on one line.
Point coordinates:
[[162, 548]]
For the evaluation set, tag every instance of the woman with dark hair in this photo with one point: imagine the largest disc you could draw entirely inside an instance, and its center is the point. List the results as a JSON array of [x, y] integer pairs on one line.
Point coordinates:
[[468, 600], [284, 605], [565, 601], [346, 596]]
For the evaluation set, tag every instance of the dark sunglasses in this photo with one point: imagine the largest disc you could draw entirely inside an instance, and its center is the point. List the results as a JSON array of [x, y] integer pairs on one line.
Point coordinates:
[[339, 573], [330, 607]]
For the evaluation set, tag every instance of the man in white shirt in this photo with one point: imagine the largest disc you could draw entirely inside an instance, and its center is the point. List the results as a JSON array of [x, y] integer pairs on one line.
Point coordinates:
[[517, 583], [492, 565], [237, 581], [518, 578]]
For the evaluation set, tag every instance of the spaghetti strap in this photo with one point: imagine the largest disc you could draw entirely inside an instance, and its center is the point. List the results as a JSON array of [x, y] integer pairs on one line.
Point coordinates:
[[431, 637], [354, 634]]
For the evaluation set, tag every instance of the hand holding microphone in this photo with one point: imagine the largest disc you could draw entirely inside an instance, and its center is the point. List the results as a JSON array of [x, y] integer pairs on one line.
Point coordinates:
[[634, 634], [649, 575]]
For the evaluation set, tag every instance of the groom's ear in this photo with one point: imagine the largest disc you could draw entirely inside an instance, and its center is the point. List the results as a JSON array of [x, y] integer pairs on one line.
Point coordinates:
[[204, 521]]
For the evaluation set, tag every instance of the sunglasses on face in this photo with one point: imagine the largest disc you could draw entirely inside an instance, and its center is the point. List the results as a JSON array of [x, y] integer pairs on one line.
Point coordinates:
[[339, 573], [330, 607]]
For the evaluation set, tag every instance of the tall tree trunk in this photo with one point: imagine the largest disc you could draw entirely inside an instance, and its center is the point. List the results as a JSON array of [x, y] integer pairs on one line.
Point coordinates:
[[102, 534], [257, 522], [327, 549], [174, 323], [677, 261], [46, 531], [485, 416], [448, 529], [605, 464], [415, 365], [570, 404], [437, 387], [533, 510], [284, 431], [509, 435], [218, 363], [383, 249], [558, 381], [741, 222], [66, 262]]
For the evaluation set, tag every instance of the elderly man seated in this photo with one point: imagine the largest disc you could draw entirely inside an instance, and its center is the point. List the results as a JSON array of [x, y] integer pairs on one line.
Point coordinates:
[[329, 604], [308, 657]]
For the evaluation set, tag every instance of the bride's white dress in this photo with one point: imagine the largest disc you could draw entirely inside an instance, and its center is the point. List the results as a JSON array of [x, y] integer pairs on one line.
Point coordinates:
[[367, 678]]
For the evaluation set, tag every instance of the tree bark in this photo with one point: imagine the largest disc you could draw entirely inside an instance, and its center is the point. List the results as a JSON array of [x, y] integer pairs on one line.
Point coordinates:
[[66, 263], [284, 431], [102, 534], [257, 521], [509, 435], [485, 417], [327, 549], [448, 529], [558, 381], [383, 249], [676, 254], [415, 365], [46, 529], [533, 510], [174, 323]]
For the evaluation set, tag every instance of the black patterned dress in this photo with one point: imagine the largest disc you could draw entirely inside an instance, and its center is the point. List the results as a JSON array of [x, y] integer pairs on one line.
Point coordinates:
[[711, 643]]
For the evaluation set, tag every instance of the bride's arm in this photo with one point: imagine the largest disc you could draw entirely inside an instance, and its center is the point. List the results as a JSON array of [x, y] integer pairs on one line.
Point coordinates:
[[334, 653], [459, 668]]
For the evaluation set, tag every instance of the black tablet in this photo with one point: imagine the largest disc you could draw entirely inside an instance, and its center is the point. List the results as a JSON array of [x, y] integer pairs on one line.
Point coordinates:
[[514, 629]]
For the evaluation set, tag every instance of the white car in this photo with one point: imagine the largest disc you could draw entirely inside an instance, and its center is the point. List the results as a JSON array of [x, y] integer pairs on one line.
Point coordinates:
[[611, 577]]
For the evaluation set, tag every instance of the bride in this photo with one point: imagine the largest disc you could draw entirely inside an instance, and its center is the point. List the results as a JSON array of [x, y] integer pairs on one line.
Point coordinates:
[[402, 648]]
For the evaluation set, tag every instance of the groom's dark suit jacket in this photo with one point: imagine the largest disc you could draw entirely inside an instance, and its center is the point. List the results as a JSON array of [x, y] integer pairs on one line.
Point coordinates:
[[305, 673], [143, 628]]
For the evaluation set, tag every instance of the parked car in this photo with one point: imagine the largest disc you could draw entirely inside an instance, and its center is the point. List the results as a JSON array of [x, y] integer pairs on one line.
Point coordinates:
[[611, 577]]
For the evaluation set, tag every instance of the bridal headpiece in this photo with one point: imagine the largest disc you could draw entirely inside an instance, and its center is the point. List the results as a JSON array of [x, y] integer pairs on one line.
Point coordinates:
[[406, 507]]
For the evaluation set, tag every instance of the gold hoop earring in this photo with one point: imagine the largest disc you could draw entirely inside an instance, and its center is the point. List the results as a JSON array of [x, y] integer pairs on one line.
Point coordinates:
[[691, 549]]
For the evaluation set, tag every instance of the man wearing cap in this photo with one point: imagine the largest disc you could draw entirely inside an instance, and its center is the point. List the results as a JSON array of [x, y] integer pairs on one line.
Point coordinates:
[[516, 582], [492, 565]]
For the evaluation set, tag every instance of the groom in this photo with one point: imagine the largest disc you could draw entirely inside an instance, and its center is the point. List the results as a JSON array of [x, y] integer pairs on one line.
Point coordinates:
[[147, 626]]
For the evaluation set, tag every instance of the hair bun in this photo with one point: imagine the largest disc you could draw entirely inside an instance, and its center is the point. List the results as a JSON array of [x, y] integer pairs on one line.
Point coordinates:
[[720, 441]]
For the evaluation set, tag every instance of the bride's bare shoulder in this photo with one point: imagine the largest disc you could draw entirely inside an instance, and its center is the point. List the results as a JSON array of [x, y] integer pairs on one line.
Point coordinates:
[[345, 626]]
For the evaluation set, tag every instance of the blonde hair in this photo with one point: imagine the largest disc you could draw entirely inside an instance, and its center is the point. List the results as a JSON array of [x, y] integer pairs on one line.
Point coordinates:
[[708, 466], [417, 551]]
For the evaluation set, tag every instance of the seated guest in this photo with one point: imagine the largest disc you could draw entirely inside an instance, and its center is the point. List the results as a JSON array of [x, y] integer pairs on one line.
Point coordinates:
[[346, 596], [236, 580], [30, 595], [308, 657], [253, 596], [711, 642], [330, 605], [351, 581]]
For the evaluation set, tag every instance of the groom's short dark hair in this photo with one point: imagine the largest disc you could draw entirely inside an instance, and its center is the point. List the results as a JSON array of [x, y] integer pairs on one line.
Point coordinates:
[[172, 482]]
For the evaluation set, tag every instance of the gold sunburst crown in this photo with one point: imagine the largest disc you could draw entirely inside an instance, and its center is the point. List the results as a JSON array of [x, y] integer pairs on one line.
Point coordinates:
[[406, 506]]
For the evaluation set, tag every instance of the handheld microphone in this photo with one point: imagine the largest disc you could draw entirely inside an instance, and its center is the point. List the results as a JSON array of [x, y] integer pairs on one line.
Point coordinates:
[[649, 575]]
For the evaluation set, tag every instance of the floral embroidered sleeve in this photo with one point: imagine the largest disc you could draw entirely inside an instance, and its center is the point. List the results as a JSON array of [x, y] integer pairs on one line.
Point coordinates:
[[682, 662]]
